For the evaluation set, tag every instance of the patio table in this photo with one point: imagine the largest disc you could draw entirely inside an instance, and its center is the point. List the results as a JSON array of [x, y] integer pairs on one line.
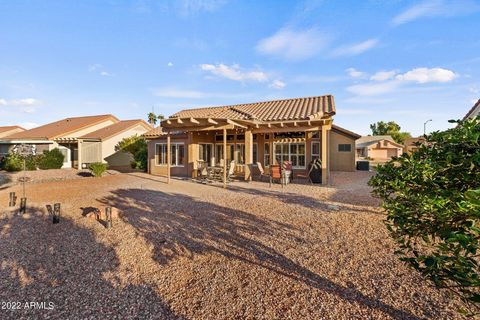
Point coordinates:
[[216, 172]]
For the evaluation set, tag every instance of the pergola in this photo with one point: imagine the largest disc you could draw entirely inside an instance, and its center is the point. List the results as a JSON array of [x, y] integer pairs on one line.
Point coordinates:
[[318, 122]]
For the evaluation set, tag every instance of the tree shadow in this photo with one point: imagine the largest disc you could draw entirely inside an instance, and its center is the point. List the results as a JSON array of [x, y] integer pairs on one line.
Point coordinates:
[[181, 226], [65, 265]]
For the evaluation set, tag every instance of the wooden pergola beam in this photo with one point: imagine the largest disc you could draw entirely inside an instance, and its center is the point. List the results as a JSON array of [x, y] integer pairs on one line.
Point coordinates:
[[179, 120], [236, 124], [211, 121], [193, 120]]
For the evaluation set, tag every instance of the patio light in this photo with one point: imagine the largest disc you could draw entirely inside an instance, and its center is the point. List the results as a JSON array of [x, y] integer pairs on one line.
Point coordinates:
[[108, 214], [23, 205], [13, 199], [56, 213]]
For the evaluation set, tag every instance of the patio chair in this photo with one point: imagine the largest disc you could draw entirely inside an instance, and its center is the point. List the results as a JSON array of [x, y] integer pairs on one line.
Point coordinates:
[[275, 174], [202, 170], [262, 172], [288, 167]]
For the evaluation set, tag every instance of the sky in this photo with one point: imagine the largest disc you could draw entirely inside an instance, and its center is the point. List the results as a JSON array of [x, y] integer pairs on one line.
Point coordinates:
[[406, 61]]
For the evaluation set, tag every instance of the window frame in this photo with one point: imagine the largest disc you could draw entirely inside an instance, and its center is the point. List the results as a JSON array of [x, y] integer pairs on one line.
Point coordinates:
[[289, 155], [313, 155], [174, 156], [344, 144]]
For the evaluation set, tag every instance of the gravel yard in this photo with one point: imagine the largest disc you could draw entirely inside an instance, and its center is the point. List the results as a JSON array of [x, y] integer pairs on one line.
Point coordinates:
[[193, 251]]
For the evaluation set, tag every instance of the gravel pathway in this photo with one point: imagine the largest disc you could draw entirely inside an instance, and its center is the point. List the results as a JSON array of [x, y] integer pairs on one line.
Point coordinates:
[[194, 251]]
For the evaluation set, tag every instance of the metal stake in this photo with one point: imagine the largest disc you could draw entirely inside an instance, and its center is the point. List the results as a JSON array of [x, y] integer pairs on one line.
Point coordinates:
[[108, 214], [23, 205], [56, 213], [13, 200]]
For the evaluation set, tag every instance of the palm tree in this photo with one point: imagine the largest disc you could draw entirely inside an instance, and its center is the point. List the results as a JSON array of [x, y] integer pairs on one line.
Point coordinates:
[[152, 118]]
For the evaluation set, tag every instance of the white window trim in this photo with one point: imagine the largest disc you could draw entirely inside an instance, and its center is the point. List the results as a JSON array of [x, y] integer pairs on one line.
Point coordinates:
[[311, 150], [166, 164], [264, 154], [289, 154]]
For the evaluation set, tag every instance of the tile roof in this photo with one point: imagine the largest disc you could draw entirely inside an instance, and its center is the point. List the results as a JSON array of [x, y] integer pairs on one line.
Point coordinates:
[[365, 141], [10, 128], [158, 131], [61, 127], [476, 107], [345, 131], [114, 129], [276, 110]]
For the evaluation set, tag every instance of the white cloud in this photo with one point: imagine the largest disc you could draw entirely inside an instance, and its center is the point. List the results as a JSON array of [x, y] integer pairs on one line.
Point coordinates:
[[3, 102], [23, 102], [190, 7], [373, 89], [100, 69], [383, 75], [436, 8], [355, 49], [426, 75], [354, 73], [294, 44], [29, 125], [277, 84], [170, 64], [234, 72]]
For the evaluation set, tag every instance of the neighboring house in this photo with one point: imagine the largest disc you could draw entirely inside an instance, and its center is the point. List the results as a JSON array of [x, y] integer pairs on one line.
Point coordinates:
[[298, 130], [475, 111], [82, 140], [4, 132], [409, 146], [378, 148]]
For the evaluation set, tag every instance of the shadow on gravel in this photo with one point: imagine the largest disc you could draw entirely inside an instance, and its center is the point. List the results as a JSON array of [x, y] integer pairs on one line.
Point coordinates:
[[65, 265], [181, 226]]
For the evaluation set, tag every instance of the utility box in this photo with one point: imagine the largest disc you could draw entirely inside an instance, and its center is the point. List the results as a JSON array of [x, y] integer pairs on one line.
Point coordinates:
[[363, 165]]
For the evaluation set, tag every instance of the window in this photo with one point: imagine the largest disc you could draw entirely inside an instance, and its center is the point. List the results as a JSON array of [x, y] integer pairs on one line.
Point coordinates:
[[344, 148], [64, 152], [4, 148], [255, 150], [177, 154], [315, 135], [266, 154], [293, 152], [205, 152], [219, 153], [240, 153], [315, 150]]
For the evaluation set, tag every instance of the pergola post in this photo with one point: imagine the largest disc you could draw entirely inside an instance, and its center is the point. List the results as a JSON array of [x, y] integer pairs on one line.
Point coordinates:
[[225, 158], [79, 155], [169, 158], [248, 155], [325, 159]]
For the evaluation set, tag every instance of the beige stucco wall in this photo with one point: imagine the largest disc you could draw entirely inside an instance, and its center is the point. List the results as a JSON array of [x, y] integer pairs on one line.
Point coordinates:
[[119, 159], [341, 161], [383, 150], [161, 170]]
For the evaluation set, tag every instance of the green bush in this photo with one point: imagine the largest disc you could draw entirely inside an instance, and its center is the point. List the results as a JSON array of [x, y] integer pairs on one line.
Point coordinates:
[[432, 199], [137, 146], [98, 168], [52, 159], [13, 162]]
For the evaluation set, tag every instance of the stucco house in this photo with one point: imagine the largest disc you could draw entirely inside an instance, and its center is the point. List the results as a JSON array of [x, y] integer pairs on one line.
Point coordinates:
[[82, 140], [298, 130], [5, 131], [474, 111], [378, 148]]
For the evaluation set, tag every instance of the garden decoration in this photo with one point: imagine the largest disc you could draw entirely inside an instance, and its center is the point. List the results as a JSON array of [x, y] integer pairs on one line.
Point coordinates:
[[108, 214], [25, 150], [23, 205], [56, 213], [13, 200]]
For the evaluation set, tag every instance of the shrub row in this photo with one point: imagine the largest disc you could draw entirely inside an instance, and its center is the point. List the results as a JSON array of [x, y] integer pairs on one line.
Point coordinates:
[[52, 159]]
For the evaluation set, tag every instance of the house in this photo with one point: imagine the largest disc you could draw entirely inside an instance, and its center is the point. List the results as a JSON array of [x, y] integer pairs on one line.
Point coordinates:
[[409, 146], [378, 148], [82, 140], [298, 130], [475, 111], [6, 131]]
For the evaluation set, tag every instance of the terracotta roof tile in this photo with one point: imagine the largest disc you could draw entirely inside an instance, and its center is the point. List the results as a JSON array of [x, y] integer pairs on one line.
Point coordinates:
[[61, 127], [10, 128], [115, 129], [276, 110]]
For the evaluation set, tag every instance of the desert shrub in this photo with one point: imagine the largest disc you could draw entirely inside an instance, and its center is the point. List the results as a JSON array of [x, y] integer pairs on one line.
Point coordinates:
[[52, 159], [432, 199], [13, 162], [98, 168], [137, 146]]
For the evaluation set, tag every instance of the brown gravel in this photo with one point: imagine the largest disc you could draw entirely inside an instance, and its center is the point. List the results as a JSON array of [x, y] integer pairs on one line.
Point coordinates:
[[188, 250]]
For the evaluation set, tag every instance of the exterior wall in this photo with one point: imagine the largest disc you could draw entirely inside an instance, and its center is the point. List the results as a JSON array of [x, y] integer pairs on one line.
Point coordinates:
[[339, 160], [115, 158], [96, 127], [161, 170]]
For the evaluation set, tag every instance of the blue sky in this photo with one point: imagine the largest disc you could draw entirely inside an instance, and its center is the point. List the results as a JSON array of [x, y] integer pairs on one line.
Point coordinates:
[[407, 61]]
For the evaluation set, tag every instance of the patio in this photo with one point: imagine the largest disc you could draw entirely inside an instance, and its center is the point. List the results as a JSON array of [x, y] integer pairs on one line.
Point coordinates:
[[188, 250]]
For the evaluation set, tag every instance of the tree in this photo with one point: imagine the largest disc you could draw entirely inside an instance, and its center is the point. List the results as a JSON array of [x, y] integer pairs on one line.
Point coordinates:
[[432, 200], [137, 146], [390, 128], [152, 118], [161, 117]]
